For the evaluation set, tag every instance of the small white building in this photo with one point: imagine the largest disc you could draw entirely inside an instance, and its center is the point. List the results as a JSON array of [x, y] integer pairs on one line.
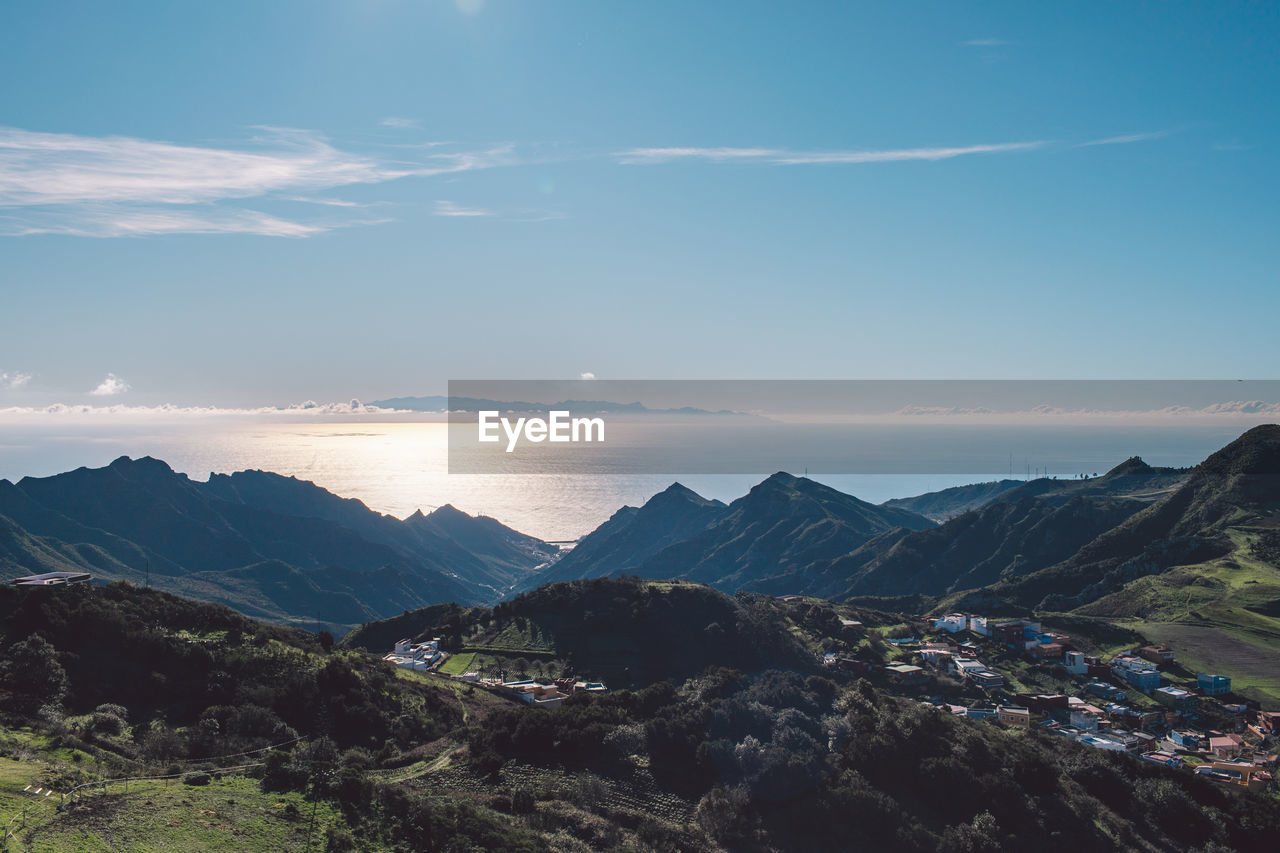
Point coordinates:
[[1074, 663], [420, 656], [1085, 716], [966, 666], [953, 623], [541, 695], [1107, 743], [936, 658]]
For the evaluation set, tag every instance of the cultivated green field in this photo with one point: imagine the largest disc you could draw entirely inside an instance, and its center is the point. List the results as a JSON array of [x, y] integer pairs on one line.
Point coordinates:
[[1219, 616], [458, 664], [1254, 667]]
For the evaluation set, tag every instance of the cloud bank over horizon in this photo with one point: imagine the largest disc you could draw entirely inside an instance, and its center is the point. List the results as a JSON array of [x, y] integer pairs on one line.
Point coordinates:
[[1233, 412]]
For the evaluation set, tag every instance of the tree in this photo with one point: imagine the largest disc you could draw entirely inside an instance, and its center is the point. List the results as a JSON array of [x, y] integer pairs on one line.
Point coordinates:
[[33, 675]]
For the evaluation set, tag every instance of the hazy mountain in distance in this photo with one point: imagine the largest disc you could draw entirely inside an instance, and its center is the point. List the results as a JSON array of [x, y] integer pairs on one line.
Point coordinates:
[[948, 503], [441, 403], [1132, 478]]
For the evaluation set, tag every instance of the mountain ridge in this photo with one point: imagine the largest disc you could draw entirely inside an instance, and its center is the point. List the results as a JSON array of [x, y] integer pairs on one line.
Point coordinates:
[[136, 519]]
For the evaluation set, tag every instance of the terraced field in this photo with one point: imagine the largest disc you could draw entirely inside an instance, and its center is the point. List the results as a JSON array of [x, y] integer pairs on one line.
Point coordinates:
[[1219, 616], [1254, 667]]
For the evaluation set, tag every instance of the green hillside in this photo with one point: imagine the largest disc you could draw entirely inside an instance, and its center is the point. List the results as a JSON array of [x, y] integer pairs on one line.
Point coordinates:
[[627, 632], [270, 739]]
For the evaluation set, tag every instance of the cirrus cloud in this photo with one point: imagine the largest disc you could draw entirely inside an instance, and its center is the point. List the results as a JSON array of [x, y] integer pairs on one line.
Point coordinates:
[[650, 156], [111, 186], [1126, 139], [448, 208]]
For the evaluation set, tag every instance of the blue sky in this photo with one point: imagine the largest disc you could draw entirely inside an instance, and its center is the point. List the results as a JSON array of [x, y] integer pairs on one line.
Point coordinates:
[[243, 204]]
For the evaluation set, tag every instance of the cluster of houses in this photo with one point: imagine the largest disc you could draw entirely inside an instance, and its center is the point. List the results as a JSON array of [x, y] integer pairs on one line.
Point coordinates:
[[534, 692], [53, 579], [427, 657], [1185, 725]]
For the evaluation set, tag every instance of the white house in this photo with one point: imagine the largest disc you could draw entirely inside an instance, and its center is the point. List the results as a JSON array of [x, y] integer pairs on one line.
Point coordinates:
[[966, 666], [1074, 663], [937, 658], [421, 656], [952, 622], [1085, 716]]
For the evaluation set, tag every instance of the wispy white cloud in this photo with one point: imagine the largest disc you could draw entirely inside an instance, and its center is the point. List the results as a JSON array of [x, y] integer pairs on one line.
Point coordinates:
[[13, 380], [59, 168], [587, 375], [649, 156], [986, 42], [448, 208], [326, 201], [110, 387], [117, 186], [1126, 139], [644, 156], [399, 122], [662, 155], [135, 221], [895, 155]]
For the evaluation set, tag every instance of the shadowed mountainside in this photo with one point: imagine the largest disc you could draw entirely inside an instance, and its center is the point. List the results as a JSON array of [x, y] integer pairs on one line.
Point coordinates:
[[759, 542], [1239, 484], [274, 547]]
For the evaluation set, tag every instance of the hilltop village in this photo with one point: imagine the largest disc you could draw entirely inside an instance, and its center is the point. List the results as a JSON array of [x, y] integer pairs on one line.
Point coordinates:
[[1139, 701]]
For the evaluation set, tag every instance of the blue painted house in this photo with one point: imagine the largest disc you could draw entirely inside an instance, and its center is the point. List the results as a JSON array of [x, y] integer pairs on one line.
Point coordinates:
[[1213, 685]]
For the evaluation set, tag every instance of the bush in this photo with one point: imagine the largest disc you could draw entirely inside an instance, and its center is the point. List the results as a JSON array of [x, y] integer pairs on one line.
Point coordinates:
[[106, 724], [339, 840], [199, 777], [522, 801]]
